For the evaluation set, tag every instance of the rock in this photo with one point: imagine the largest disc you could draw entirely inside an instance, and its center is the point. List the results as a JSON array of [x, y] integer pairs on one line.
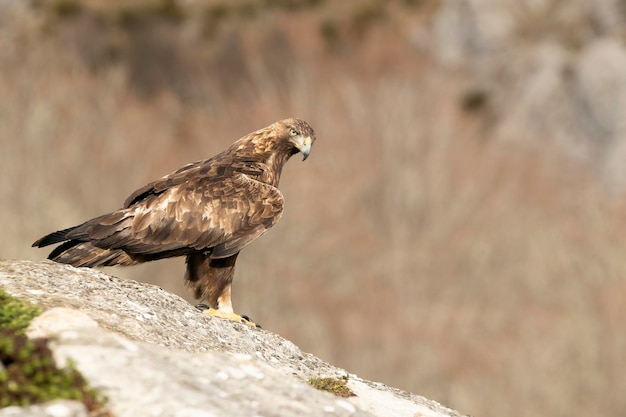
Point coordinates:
[[555, 72], [600, 75], [59, 408], [149, 380], [153, 354]]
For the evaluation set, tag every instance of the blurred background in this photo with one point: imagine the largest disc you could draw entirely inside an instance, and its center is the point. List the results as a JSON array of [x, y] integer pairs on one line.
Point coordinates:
[[459, 230]]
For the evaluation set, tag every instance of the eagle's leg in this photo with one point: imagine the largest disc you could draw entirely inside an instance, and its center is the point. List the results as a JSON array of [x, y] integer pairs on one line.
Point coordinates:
[[211, 281]]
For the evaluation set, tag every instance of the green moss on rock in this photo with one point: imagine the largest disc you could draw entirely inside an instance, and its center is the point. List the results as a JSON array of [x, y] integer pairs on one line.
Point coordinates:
[[16, 314], [28, 372]]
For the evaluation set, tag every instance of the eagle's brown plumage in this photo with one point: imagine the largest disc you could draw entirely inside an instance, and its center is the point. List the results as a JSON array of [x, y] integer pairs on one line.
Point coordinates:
[[207, 211]]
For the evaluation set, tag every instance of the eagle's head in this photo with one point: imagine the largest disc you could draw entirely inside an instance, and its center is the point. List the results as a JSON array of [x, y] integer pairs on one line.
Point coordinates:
[[293, 136], [276, 142], [263, 153]]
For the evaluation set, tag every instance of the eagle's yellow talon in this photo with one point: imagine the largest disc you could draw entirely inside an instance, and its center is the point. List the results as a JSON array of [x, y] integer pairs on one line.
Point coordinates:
[[230, 316]]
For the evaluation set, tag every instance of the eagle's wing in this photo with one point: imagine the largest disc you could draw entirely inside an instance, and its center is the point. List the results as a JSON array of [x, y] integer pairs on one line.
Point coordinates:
[[200, 213], [177, 177]]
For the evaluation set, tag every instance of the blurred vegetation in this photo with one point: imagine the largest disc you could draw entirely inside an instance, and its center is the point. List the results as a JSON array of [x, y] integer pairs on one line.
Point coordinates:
[[436, 239], [145, 34]]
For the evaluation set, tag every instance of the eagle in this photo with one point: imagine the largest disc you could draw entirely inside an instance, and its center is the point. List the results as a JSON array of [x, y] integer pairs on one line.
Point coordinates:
[[207, 211]]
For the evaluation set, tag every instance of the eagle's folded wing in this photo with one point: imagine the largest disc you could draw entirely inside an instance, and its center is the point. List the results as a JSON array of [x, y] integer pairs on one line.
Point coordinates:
[[225, 214]]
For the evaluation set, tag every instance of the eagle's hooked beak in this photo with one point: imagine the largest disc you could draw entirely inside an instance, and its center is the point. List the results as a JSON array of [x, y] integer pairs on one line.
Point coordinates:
[[303, 144]]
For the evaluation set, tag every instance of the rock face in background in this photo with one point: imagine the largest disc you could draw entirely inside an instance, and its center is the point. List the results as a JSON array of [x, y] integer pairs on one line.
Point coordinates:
[[153, 354], [555, 72]]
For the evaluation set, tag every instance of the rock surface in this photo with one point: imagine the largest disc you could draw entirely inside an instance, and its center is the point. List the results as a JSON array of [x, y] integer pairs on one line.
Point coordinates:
[[153, 354], [60, 408]]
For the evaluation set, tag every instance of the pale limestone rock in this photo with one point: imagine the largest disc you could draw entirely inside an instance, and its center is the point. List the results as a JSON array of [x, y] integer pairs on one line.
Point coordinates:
[[153, 354], [59, 408]]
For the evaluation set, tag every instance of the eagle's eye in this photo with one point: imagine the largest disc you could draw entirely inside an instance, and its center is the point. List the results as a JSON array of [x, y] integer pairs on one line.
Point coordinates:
[[293, 132]]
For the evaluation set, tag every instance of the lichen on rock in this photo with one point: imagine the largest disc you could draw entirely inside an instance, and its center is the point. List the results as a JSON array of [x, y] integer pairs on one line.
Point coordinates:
[[337, 386]]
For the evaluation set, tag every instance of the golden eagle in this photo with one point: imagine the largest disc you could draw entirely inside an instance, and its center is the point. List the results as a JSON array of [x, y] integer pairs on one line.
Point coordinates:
[[207, 211]]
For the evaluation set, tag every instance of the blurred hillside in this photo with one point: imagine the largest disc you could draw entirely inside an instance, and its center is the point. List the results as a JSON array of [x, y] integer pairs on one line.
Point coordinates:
[[459, 229]]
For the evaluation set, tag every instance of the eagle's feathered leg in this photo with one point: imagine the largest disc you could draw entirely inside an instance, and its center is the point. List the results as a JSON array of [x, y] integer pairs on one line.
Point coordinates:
[[211, 281]]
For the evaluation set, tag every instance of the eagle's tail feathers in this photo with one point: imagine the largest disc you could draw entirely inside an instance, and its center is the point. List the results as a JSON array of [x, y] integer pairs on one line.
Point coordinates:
[[84, 254], [52, 238]]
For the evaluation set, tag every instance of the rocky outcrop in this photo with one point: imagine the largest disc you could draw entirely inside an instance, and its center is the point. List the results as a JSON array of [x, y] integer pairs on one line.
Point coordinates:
[[554, 73], [153, 354]]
